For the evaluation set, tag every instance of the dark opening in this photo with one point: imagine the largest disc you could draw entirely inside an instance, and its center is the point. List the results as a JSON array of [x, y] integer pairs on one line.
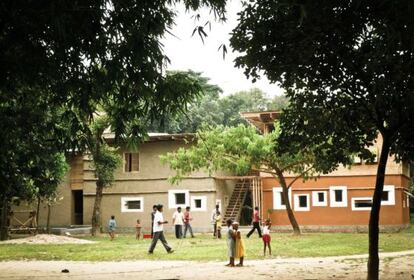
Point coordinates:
[[197, 203], [282, 199], [180, 198], [385, 195], [303, 201], [247, 210], [363, 203], [134, 204], [77, 207], [338, 195], [321, 197]]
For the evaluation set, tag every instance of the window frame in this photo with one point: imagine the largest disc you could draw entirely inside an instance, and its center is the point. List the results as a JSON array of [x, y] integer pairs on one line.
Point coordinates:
[[315, 198], [277, 198], [296, 202], [332, 202], [125, 199], [125, 162], [353, 200], [391, 195], [171, 198], [203, 203]]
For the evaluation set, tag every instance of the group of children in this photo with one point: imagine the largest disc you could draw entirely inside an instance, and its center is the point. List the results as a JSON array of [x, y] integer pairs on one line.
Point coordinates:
[[235, 243]]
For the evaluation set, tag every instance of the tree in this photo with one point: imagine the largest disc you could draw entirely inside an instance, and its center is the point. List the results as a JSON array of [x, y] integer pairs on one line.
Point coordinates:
[[213, 109], [240, 150], [70, 56], [32, 164], [346, 68]]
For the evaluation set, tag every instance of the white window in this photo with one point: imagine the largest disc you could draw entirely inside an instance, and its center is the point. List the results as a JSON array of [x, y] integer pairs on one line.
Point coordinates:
[[388, 195], [361, 203], [338, 196], [278, 201], [198, 203], [320, 198], [178, 198], [301, 202], [132, 204]]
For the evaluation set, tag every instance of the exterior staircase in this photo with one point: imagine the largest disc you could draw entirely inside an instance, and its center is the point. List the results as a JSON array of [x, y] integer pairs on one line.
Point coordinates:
[[236, 200]]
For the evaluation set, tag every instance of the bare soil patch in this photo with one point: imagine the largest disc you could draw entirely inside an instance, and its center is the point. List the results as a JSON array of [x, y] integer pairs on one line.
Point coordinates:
[[47, 239]]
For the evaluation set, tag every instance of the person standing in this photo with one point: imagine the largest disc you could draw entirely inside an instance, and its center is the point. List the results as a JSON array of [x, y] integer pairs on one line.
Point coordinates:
[[218, 224], [187, 219], [230, 242], [213, 219], [255, 223], [239, 244], [138, 230], [111, 227], [266, 237], [158, 229], [178, 221], [154, 210]]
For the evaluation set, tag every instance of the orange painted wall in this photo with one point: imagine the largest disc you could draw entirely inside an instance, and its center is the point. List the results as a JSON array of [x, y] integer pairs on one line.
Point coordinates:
[[357, 186]]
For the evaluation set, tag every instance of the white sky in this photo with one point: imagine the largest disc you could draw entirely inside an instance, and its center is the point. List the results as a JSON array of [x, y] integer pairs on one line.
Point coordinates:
[[187, 52]]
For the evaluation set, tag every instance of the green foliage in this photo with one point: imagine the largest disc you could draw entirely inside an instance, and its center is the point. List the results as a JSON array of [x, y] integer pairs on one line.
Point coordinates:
[[345, 70], [106, 162], [211, 109], [237, 150]]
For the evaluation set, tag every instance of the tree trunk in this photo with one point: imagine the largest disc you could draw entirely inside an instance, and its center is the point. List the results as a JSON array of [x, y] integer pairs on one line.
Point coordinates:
[[3, 219], [37, 210], [373, 259], [48, 219], [96, 214], [285, 194]]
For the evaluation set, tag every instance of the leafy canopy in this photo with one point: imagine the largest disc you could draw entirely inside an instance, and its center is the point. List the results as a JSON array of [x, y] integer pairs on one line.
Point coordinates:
[[237, 150]]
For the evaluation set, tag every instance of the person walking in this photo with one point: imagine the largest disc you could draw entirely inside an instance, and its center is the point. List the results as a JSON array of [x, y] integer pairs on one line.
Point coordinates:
[[178, 221], [255, 222], [187, 219], [213, 219], [154, 210], [111, 227], [158, 229]]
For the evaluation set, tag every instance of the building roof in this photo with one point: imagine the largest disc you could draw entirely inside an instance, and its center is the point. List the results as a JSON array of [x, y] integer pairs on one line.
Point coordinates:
[[261, 119], [156, 137]]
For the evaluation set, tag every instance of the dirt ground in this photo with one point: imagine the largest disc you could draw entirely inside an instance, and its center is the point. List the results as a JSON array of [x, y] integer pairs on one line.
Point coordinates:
[[393, 266]]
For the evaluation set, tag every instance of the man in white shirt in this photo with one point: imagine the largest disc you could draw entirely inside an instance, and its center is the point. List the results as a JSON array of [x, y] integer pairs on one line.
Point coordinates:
[[158, 228], [178, 221], [213, 219]]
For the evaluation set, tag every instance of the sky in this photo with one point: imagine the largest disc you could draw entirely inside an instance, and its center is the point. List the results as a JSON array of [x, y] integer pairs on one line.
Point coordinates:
[[188, 52]]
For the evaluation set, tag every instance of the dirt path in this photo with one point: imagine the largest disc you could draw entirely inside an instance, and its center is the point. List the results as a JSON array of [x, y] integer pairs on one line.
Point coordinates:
[[393, 266]]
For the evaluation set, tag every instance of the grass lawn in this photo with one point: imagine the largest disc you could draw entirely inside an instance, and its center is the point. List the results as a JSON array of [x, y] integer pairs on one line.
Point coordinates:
[[205, 248]]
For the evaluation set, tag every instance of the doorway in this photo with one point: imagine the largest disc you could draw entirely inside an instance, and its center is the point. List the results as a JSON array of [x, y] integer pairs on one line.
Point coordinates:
[[77, 207], [247, 210]]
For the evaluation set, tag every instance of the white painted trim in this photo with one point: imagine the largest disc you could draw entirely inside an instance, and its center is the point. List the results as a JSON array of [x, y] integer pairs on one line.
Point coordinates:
[[171, 199], [360, 208], [391, 195], [203, 203], [277, 198], [125, 199], [344, 202], [315, 197], [296, 202]]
